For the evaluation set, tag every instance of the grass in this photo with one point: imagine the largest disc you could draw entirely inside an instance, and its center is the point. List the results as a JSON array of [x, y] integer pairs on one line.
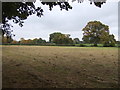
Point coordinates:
[[60, 67]]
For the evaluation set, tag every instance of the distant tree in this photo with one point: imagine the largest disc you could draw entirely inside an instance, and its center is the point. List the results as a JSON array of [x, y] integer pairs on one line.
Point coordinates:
[[40, 40], [34, 41], [29, 41], [63, 39], [93, 32], [60, 38], [4, 40], [7, 39], [54, 36], [22, 41], [76, 40], [14, 42]]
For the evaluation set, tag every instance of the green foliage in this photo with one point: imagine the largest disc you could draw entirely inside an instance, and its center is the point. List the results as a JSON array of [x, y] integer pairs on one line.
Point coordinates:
[[82, 45], [32, 42], [60, 38], [76, 41], [110, 42], [95, 32]]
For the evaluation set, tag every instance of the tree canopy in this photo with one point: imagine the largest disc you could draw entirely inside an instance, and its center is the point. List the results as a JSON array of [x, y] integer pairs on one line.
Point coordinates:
[[35, 41], [76, 40], [19, 11], [96, 32], [59, 38]]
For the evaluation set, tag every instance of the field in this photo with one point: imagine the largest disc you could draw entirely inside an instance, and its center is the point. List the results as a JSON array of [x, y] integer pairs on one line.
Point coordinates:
[[59, 67]]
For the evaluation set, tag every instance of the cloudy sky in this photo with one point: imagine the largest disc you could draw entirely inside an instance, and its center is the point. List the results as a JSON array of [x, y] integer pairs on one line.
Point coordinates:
[[68, 22]]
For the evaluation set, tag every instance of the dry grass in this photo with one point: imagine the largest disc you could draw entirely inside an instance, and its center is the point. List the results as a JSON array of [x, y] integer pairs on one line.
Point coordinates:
[[61, 67]]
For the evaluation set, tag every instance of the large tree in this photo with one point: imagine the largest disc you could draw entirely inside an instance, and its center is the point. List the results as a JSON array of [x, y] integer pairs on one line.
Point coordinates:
[[95, 32], [19, 11]]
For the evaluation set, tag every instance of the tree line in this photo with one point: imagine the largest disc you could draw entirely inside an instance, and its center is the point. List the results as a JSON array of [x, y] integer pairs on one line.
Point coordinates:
[[94, 33], [55, 38]]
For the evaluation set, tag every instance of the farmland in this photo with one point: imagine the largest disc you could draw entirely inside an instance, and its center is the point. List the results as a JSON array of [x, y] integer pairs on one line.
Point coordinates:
[[60, 67]]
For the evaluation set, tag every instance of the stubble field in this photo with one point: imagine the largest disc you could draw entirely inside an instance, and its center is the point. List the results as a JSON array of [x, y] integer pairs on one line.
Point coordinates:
[[59, 67]]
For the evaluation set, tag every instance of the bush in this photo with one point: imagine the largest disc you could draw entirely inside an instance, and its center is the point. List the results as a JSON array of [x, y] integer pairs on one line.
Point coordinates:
[[92, 45], [81, 45], [109, 45]]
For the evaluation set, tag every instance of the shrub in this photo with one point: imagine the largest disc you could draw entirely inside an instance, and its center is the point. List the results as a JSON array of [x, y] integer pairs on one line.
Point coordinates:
[[82, 45], [109, 45]]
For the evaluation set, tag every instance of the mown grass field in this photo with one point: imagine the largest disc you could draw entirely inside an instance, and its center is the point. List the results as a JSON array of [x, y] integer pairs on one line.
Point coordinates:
[[60, 67]]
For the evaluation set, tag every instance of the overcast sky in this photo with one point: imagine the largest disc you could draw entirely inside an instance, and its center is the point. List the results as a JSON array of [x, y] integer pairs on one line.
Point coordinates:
[[68, 22]]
